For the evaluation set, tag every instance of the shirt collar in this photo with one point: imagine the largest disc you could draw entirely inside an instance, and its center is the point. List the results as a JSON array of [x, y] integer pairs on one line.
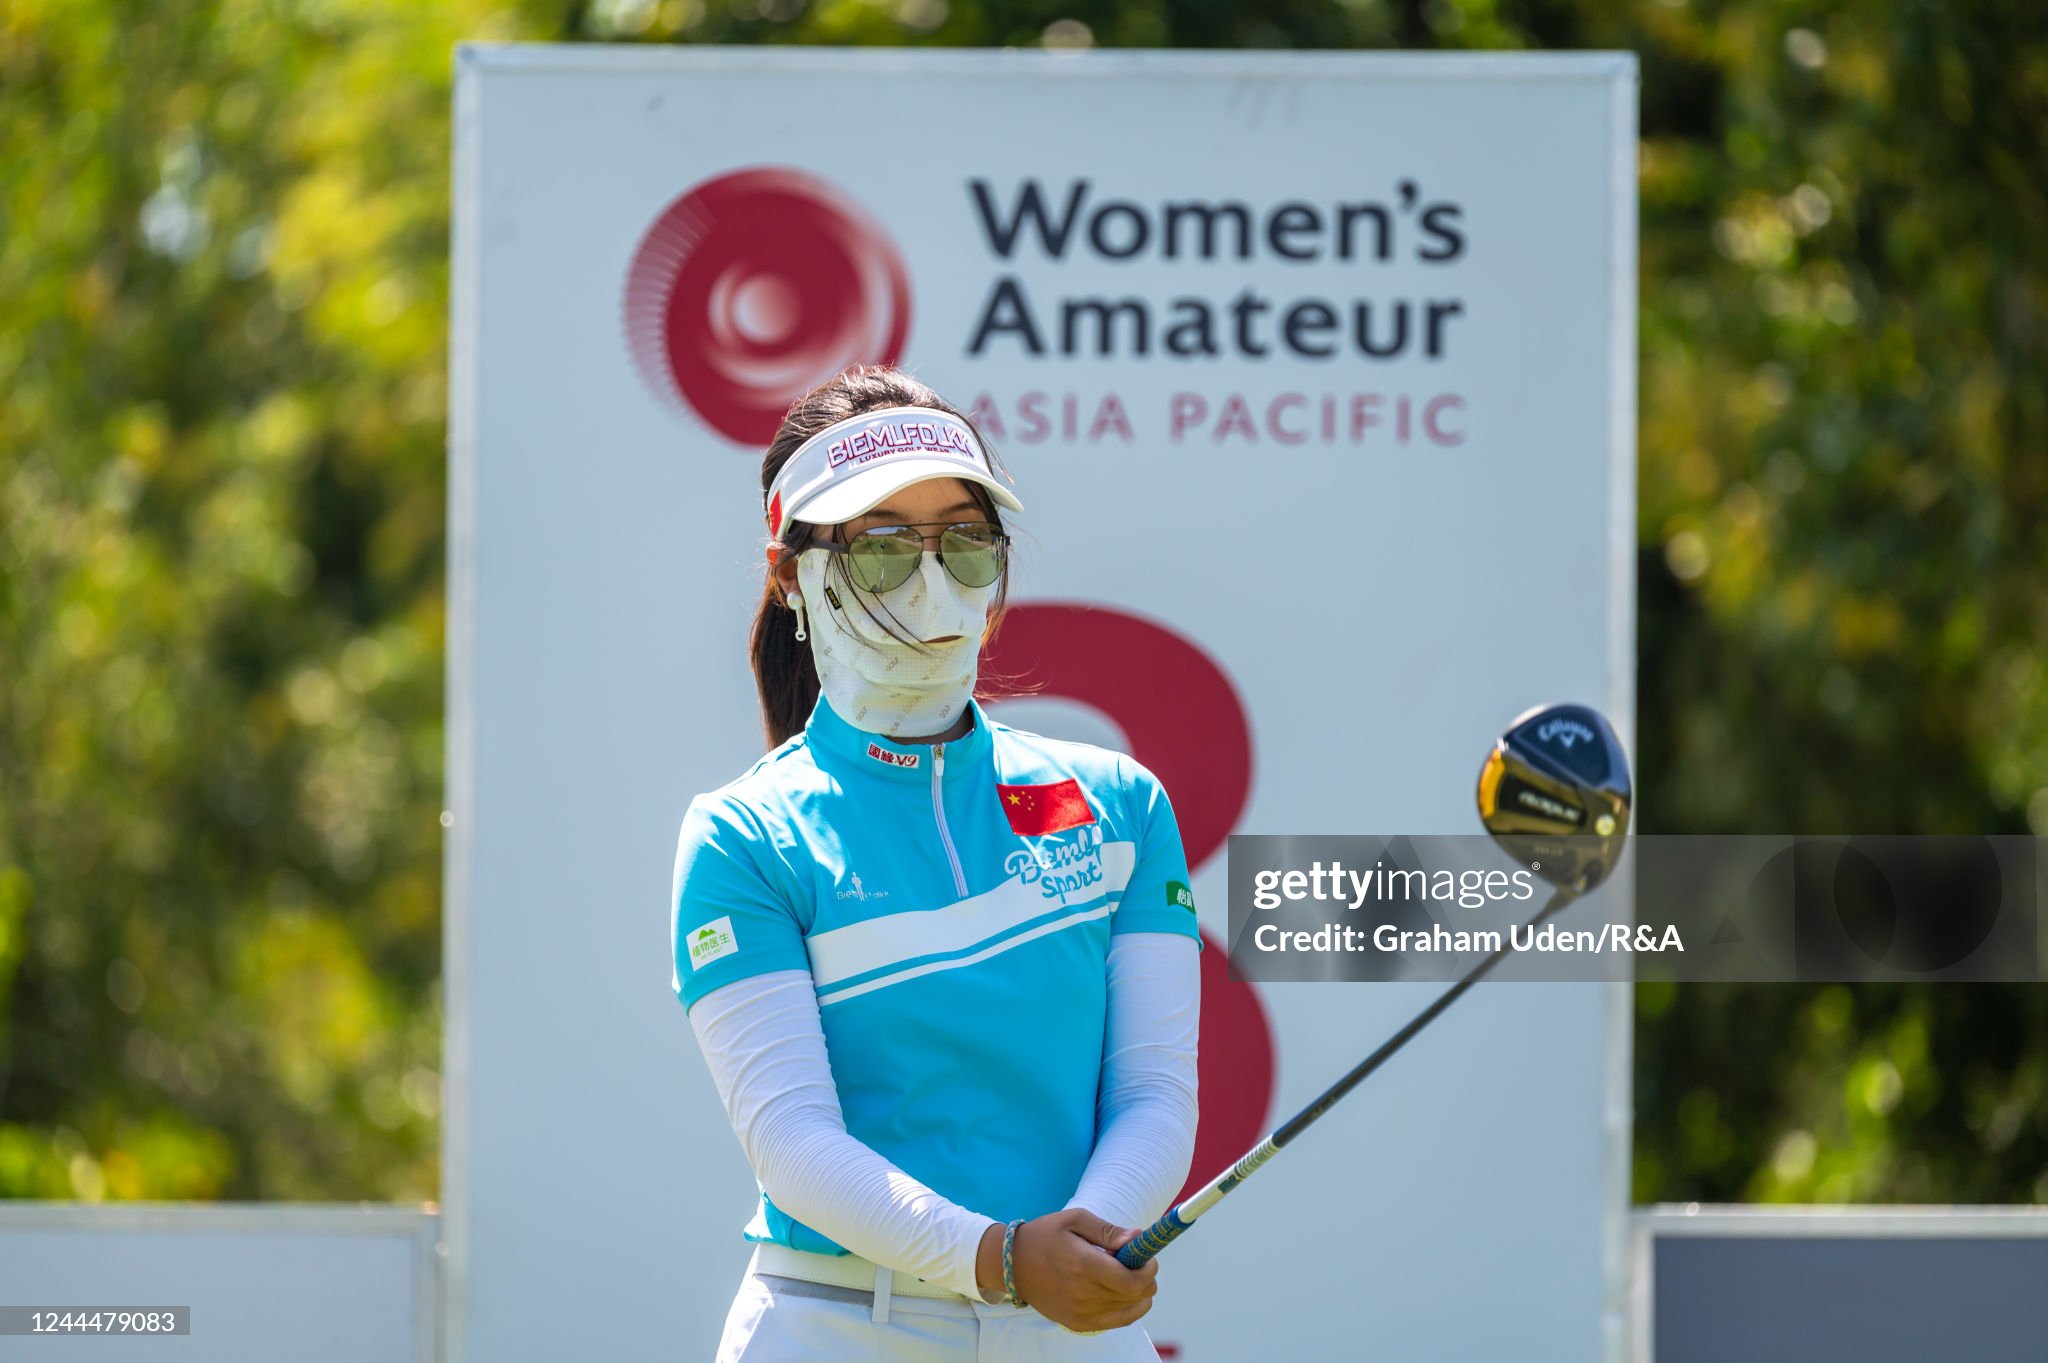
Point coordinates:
[[882, 756]]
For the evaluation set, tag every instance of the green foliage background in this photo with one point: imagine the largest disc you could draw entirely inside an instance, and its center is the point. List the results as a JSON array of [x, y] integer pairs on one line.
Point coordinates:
[[223, 292]]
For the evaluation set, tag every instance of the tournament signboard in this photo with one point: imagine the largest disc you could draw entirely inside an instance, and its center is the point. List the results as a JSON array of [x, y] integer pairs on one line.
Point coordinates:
[[1316, 377]]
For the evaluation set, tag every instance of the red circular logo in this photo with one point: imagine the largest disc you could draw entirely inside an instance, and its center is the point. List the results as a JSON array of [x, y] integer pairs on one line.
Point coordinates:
[[755, 287]]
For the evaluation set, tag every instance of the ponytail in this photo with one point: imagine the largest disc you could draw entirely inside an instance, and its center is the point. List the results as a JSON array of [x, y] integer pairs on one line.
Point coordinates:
[[784, 672]]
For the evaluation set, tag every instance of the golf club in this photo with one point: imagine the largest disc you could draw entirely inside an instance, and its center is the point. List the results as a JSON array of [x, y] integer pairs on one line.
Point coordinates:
[[1555, 792]]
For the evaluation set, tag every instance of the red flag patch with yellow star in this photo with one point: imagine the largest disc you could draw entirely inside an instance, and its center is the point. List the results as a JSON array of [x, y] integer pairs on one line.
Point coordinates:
[[1037, 810]]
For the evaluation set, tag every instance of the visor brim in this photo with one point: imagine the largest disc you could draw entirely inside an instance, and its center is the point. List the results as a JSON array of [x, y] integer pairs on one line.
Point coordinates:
[[849, 497]]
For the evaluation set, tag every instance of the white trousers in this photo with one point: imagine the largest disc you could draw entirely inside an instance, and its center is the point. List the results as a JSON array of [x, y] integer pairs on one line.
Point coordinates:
[[785, 1320]]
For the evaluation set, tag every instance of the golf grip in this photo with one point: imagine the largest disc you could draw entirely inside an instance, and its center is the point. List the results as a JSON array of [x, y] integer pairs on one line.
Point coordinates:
[[1181, 1218]]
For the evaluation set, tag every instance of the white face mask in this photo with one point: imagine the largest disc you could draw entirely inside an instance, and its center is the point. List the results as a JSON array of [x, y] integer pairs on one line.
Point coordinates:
[[876, 681]]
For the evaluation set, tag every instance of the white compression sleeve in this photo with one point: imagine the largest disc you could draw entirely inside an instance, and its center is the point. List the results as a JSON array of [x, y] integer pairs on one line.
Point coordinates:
[[1145, 1114], [765, 1045]]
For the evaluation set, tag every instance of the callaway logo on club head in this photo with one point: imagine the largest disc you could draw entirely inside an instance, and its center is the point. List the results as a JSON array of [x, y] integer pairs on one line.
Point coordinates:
[[1564, 731]]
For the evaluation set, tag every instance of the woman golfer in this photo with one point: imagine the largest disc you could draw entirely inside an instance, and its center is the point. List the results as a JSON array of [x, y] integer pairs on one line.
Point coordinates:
[[943, 971]]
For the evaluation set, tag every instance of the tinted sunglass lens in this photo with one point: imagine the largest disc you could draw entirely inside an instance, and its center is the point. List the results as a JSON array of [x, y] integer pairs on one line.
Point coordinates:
[[973, 554], [880, 560]]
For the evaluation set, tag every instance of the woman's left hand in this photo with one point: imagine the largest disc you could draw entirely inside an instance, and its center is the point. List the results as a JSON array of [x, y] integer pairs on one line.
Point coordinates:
[[1065, 1265]]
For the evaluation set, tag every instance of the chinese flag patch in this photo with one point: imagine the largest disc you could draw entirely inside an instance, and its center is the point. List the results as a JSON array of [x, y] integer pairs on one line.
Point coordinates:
[[1036, 810]]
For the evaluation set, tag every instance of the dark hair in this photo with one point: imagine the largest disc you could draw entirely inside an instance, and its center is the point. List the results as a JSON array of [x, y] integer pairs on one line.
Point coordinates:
[[783, 670]]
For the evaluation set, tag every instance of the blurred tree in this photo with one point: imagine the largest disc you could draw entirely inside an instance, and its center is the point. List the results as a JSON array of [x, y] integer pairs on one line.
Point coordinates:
[[1845, 577], [223, 285]]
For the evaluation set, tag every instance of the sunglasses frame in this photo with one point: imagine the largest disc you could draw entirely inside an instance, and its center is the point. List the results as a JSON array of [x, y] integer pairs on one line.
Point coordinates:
[[1001, 549]]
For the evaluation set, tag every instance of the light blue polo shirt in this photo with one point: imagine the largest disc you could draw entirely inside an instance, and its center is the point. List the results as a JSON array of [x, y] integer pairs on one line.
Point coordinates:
[[953, 904]]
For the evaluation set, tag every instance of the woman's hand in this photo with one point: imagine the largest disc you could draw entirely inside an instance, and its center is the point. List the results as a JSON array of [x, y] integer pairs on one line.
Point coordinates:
[[1065, 1265]]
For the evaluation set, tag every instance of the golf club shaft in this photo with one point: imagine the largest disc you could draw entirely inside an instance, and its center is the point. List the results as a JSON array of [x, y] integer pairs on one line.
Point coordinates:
[[1169, 1227]]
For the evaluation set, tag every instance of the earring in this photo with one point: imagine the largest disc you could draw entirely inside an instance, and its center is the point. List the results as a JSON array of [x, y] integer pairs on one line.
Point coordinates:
[[796, 603]]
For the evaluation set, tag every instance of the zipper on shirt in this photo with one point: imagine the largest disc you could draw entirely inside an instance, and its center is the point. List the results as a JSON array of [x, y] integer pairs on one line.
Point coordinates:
[[939, 813]]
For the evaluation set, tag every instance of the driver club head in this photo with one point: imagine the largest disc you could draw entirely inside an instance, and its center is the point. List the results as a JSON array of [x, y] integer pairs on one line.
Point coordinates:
[[1555, 792]]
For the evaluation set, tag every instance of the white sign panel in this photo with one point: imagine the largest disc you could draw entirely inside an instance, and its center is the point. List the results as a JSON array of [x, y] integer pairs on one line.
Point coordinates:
[[1316, 376], [251, 1283]]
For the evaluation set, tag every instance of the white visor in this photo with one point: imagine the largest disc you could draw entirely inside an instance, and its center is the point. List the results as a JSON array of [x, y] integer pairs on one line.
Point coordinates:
[[853, 464]]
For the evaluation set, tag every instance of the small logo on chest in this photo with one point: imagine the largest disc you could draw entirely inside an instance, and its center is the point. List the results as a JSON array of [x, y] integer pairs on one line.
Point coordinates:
[[862, 892]]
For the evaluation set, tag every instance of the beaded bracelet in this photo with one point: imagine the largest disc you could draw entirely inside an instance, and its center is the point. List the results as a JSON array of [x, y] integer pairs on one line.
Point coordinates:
[[1009, 1276]]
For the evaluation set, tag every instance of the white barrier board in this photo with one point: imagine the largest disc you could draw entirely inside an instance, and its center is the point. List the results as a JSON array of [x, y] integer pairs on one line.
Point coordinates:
[[262, 1281]]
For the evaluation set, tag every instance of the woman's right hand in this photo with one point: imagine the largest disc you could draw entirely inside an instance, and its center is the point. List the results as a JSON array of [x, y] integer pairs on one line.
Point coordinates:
[[1065, 1265]]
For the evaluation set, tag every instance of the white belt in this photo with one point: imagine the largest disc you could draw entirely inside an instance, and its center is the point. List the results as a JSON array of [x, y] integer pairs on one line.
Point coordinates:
[[845, 1270]]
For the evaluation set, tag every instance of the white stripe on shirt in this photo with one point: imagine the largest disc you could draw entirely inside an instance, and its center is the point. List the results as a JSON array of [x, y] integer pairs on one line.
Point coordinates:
[[914, 934]]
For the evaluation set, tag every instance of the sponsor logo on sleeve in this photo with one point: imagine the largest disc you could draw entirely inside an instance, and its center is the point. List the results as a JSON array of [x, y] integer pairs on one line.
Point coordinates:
[[1180, 895], [712, 942]]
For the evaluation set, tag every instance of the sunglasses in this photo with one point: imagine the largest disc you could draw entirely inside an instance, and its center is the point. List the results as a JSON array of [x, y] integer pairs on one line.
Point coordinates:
[[884, 556]]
